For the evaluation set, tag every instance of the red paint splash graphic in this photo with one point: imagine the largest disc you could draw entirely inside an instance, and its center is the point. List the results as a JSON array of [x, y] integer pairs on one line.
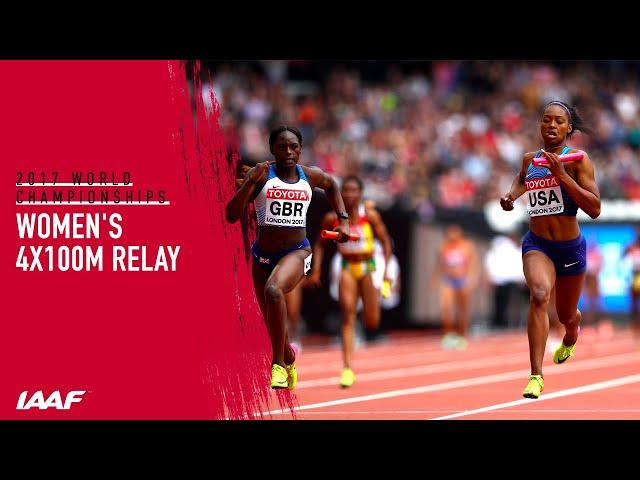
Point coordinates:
[[236, 361]]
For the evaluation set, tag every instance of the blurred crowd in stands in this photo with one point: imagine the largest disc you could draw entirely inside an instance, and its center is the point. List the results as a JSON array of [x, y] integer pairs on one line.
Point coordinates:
[[427, 135]]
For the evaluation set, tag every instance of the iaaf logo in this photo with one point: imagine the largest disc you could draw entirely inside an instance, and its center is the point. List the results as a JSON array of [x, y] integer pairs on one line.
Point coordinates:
[[54, 400]]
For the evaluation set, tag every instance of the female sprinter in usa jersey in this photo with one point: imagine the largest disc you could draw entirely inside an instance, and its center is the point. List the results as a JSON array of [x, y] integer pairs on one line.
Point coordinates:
[[554, 251]]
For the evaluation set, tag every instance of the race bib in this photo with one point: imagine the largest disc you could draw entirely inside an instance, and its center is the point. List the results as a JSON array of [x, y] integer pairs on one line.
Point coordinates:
[[286, 207], [363, 245], [544, 196], [307, 263], [353, 246]]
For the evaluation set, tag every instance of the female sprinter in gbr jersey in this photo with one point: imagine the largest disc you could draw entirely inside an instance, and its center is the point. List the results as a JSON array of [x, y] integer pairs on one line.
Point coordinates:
[[282, 252]]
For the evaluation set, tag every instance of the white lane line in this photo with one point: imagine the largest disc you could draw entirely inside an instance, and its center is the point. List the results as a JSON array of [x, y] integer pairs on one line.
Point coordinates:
[[456, 365], [421, 412], [400, 358], [461, 364], [405, 345], [616, 382], [310, 368], [469, 382]]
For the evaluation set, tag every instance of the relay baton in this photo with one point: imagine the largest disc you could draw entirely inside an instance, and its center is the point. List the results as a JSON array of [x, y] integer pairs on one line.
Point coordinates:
[[332, 235], [569, 157]]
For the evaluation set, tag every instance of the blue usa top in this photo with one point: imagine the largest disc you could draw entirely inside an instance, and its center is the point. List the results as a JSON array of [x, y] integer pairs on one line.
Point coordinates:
[[546, 196]]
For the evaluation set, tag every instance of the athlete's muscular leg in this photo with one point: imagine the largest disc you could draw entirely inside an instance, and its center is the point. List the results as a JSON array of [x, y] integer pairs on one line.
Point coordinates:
[[446, 307], [294, 305], [540, 275], [348, 293], [554, 320], [462, 298], [568, 291], [260, 277], [370, 303], [283, 279]]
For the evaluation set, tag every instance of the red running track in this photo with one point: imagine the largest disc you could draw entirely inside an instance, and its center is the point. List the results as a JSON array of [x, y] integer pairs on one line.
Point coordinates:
[[410, 377]]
